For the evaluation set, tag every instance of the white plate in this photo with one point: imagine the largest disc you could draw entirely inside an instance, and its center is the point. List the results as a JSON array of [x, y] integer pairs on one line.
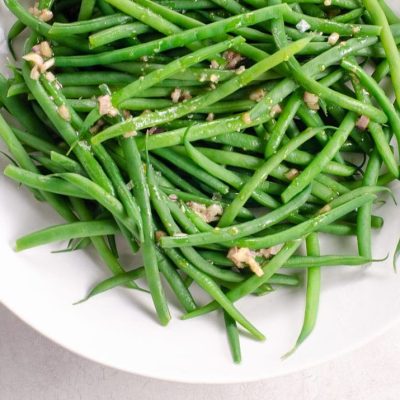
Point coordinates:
[[118, 328]]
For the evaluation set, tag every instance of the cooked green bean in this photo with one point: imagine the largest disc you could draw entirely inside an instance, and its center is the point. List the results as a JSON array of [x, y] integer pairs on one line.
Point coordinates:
[[227, 129], [312, 293], [113, 282], [66, 232], [261, 175], [388, 43], [253, 282], [322, 158], [225, 89], [233, 232]]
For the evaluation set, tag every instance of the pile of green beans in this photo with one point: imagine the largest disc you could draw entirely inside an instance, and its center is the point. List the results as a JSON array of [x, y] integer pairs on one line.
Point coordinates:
[[214, 137]]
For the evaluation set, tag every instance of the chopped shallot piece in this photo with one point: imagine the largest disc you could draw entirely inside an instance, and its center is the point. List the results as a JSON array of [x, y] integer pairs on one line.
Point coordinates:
[[242, 256], [257, 95], [64, 112], [186, 95], [246, 118], [45, 49], [271, 251], [214, 64], [240, 70], [34, 58], [47, 65], [176, 95], [35, 74], [292, 173], [210, 117], [130, 134], [159, 234], [362, 123], [44, 14], [232, 58], [276, 109], [311, 101], [333, 38], [106, 107], [208, 214]]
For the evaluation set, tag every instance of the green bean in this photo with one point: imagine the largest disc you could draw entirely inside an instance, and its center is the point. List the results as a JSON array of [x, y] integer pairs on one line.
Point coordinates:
[[350, 4], [68, 164], [325, 261], [17, 28], [247, 33], [180, 216], [263, 108], [244, 213], [189, 74], [115, 33], [377, 92], [191, 168], [312, 293], [349, 17], [107, 200], [121, 188], [322, 158], [312, 68], [207, 284], [295, 261], [233, 232], [34, 142], [44, 183], [328, 26], [390, 14], [172, 228], [175, 178], [172, 41], [22, 158], [170, 69], [388, 43], [309, 226], [92, 25], [185, 5], [253, 163], [207, 99], [45, 4], [66, 232], [227, 176], [289, 112], [137, 175], [261, 174], [43, 28], [364, 234], [19, 108], [252, 143], [253, 282], [145, 15], [113, 282], [81, 149], [377, 133], [233, 337], [86, 9], [17, 88], [98, 242], [323, 91]]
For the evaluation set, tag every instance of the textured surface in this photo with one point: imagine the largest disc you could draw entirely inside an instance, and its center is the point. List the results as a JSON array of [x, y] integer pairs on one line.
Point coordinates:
[[32, 367]]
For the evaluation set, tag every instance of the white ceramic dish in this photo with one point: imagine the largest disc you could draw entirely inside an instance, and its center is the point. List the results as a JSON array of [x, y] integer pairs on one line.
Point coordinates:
[[118, 329]]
